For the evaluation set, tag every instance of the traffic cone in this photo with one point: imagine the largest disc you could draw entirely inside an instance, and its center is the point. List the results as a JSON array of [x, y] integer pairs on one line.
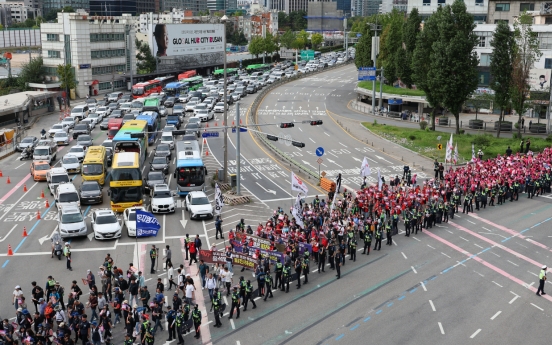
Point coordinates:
[[10, 251], [232, 123], [8, 181], [1, 174], [204, 141], [25, 232], [47, 204], [206, 153], [240, 121], [38, 215], [42, 194], [207, 126], [25, 187], [216, 125]]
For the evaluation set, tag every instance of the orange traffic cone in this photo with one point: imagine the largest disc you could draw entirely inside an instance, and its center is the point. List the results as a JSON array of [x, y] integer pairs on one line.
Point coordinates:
[[232, 123], [10, 251], [1, 174], [204, 141], [207, 126], [24, 232], [47, 204], [206, 153], [240, 121], [25, 187], [8, 181], [216, 125], [38, 215], [42, 194]]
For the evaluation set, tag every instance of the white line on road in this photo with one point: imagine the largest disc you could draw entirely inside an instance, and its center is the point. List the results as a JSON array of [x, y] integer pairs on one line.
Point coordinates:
[[416, 239], [513, 299], [423, 286], [486, 229], [497, 284], [238, 342], [404, 255], [522, 245], [495, 315], [512, 263], [413, 269], [326, 134], [478, 273], [312, 140], [459, 263], [441, 328], [343, 144], [495, 254], [446, 255], [475, 333], [470, 221], [449, 231], [430, 246], [300, 129], [475, 244], [395, 243], [464, 239], [232, 324], [19, 166], [536, 306], [432, 306]]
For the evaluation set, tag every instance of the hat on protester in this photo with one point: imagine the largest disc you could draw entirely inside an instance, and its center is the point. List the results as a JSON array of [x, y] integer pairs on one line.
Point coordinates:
[[17, 287], [544, 267]]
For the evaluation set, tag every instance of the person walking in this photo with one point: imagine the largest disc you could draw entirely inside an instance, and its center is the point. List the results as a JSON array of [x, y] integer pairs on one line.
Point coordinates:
[[248, 295], [235, 303], [218, 227], [268, 284], [338, 263], [167, 257], [153, 257], [542, 280], [67, 254]]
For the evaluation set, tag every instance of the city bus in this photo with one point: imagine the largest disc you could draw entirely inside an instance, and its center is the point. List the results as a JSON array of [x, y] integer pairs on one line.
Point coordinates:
[[94, 165], [187, 74], [154, 124], [194, 83], [190, 172], [175, 89], [146, 88], [125, 183], [219, 73], [165, 80], [258, 68], [151, 104], [123, 141], [113, 126]]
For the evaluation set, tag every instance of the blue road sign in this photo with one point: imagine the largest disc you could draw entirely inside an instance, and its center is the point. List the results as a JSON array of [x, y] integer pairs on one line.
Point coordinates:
[[320, 151], [366, 73], [241, 130], [359, 35], [210, 134]]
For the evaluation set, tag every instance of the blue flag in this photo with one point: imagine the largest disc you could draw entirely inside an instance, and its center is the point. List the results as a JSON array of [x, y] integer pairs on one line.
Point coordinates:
[[146, 224]]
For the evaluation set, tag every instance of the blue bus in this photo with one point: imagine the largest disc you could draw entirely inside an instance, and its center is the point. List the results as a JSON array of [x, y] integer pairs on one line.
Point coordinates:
[[190, 172], [154, 124], [176, 89]]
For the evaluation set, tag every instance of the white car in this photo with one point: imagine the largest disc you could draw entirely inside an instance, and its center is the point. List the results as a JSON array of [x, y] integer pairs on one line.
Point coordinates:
[[167, 138], [94, 117], [105, 225], [198, 205], [271, 80], [169, 128], [71, 223], [58, 127], [103, 112], [219, 108], [91, 123], [69, 122], [71, 163], [129, 217], [77, 151], [61, 138], [201, 106], [162, 200], [190, 106], [204, 115]]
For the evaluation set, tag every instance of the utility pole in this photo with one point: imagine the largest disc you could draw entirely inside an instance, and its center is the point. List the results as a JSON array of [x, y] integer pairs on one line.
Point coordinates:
[[223, 21], [238, 154], [375, 52], [381, 90]]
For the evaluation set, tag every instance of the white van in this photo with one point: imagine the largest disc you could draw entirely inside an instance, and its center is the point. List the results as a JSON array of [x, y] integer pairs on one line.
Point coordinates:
[[56, 176], [66, 194], [80, 112], [278, 74], [46, 150]]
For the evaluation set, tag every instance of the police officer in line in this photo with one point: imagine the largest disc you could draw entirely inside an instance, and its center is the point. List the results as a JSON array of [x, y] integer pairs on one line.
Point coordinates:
[[353, 246], [388, 233], [268, 284], [321, 258], [171, 321], [287, 277], [337, 256], [235, 303], [248, 295], [153, 257], [196, 316], [377, 246], [179, 323], [542, 279], [279, 282], [305, 266], [217, 306], [367, 242]]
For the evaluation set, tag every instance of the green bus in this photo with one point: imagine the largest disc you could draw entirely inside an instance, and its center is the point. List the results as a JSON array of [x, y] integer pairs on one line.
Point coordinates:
[[151, 104], [219, 73], [194, 83], [263, 67]]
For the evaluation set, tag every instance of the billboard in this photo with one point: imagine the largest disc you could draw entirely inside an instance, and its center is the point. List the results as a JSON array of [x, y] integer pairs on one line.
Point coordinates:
[[539, 79]]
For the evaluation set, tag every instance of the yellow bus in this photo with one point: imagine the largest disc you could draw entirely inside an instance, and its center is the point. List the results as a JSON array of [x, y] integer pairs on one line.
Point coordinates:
[[125, 184], [94, 166]]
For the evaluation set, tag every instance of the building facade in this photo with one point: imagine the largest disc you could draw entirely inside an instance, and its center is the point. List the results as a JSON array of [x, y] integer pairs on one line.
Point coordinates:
[[5, 16], [508, 11], [101, 51], [478, 8], [324, 16], [53, 5], [20, 11], [111, 8]]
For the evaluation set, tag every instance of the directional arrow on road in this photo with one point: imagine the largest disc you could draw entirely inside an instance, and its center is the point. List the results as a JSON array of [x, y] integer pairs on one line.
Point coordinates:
[[266, 107], [90, 236], [316, 108], [266, 190], [383, 159], [284, 107], [47, 237], [183, 221], [329, 160], [307, 163], [356, 159]]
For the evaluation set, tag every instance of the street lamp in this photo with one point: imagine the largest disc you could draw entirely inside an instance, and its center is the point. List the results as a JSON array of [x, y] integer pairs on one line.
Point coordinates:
[[223, 20]]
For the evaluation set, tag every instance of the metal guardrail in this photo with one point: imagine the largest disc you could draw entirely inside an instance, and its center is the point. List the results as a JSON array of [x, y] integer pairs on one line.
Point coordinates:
[[258, 100]]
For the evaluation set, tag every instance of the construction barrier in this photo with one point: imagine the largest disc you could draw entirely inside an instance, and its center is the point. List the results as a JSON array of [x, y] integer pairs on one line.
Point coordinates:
[[327, 184]]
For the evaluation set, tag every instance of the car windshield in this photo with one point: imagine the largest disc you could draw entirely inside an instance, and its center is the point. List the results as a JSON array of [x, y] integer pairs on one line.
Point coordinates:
[[60, 178], [220, 104], [102, 109], [162, 194], [81, 127], [68, 197], [128, 117], [76, 149], [172, 117], [170, 99], [60, 135], [69, 218], [92, 169], [163, 148], [166, 138], [94, 115], [178, 106], [155, 176], [70, 160], [57, 127], [42, 167], [27, 140], [90, 187], [137, 91], [91, 101], [110, 219], [159, 160], [192, 126], [84, 138], [41, 152], [200, 201]]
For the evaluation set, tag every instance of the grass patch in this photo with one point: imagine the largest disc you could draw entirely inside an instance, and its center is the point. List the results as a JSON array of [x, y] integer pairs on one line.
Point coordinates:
[[391, 89], [425, 142]]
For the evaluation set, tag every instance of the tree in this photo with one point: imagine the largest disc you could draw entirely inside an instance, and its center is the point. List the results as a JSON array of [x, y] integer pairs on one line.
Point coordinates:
[[304, 37], [299, 44], [31, 72], [421, 62], [1, 27], [66, 77], [146, 61], [316, 40], [391, 45], [526, 53], [287, 39], [501, 66], [256, 46], [454, 62], [269, 44], [481, 100], [363, 51], [411, 29]]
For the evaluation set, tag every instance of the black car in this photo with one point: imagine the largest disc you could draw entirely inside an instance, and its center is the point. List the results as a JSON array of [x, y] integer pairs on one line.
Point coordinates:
[[90, 193], [163, 150], [160, 163], [116, 114], [153, 178], [81, 128], [84, 140], [27, 142], [192, 128], [169, 102], [104, 124]]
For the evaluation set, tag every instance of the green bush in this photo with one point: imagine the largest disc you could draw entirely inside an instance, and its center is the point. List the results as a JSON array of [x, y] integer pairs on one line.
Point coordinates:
[[481, 141], [549, 138], [412, 137], [375, 122], [516, 125], [423, 124]]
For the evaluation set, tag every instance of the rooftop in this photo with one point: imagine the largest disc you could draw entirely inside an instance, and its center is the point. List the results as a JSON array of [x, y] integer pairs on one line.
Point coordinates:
[[19, 101]]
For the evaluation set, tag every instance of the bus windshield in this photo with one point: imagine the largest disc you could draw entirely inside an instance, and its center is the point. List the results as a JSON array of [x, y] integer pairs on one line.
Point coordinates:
[[137, 90], [126, 174], [191, 176], [126, 194], [92, 169]]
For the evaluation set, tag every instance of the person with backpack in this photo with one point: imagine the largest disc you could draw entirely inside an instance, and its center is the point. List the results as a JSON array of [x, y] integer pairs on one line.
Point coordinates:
[[193, 252], [95, 334]]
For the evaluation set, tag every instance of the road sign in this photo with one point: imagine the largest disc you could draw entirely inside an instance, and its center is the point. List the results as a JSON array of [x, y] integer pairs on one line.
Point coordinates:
[[366, 73], [241, 130], [439, 146], [307, 55], [210, 134], [359, 35], [323, 174], [319, 160], [320, 151]]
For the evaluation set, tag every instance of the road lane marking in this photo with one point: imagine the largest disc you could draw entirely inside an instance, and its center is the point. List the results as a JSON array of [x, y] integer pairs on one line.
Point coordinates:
[[513, 299], [467, 220], [464, 239], [430, 246], [404, 255], [423, 286], [536, 306], [441, 328], [513, 263], [496, 315], [497, 284], [413, 269], [446, 255], [432, 306], [475, 333]]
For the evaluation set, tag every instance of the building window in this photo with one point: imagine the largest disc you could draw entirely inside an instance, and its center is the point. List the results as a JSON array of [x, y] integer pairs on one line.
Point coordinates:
[[52, 37], [483, 78], [482, 42], [479, 3], [441, 2], [101, 54], [427, 2], [107, 85], [526, 6], [108, 69], [503, 7], [485, 60], [105, 37], [548, 63], [54, 54], [545, 40]]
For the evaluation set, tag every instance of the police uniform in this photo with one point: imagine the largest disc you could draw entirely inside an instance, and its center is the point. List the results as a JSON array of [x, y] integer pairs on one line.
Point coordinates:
[[278, 282], [153, 257], [367, 242], [388, 233], [338, 264], [235, 303], [542, 279], [287, 277], [353, 250], [377, 246], [248, 296], [321, 258], [217, 305], [268, 282], [306, 268], [196, 316]]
